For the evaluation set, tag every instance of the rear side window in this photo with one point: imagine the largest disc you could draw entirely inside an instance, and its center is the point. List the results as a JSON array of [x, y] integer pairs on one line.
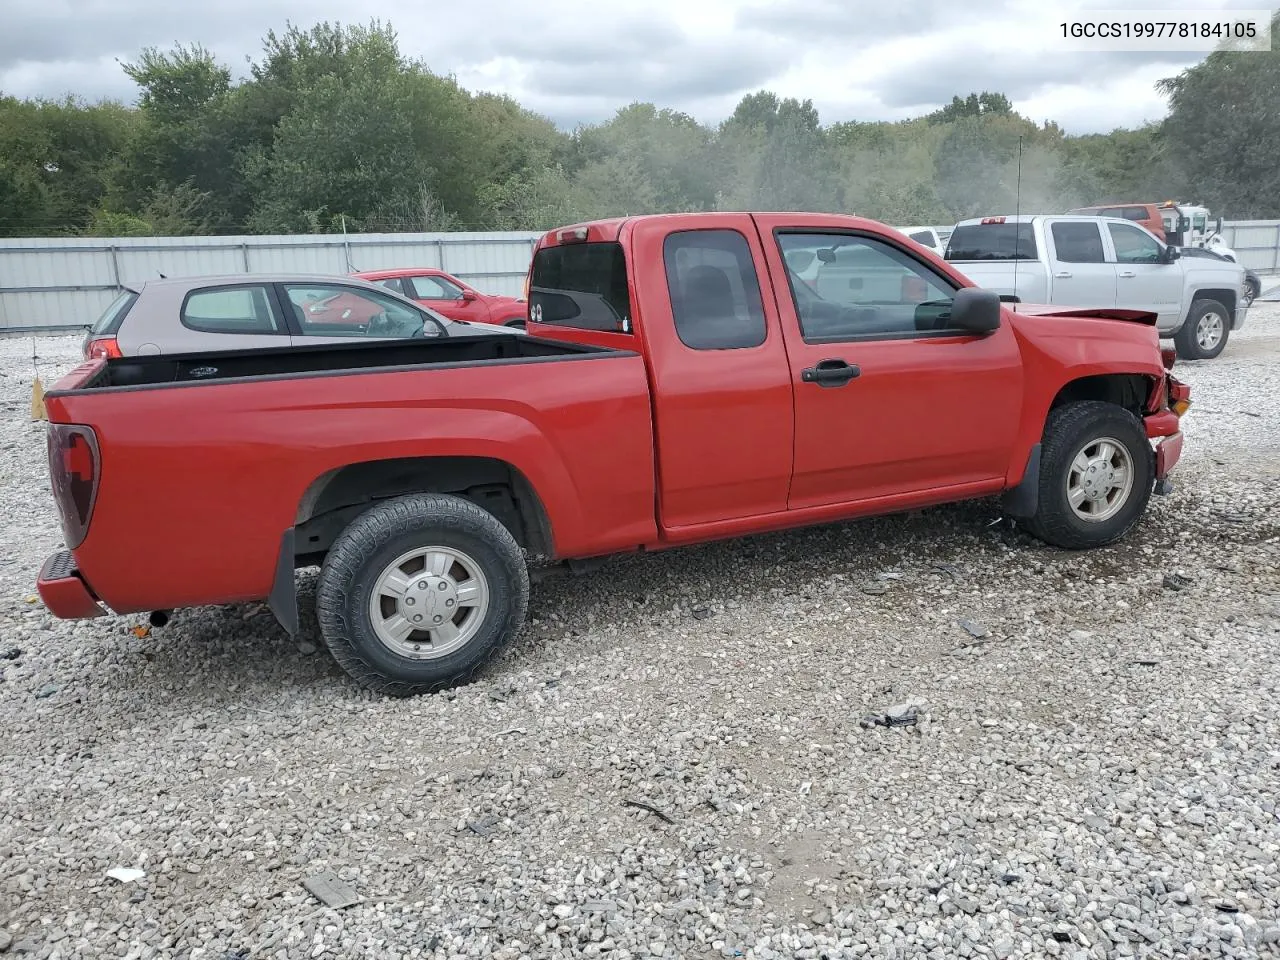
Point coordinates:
[[993, 241], [393, 284], [109, 323], [240, 309], [581, 285], [1078, 242], [715, 295], [1124, 213]]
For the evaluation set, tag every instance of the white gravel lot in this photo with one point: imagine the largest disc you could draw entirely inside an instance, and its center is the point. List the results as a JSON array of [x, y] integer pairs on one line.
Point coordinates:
[[1098, 777]]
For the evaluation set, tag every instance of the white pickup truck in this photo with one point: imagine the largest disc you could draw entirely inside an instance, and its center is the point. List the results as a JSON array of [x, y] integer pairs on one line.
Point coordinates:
[[1084, 261]]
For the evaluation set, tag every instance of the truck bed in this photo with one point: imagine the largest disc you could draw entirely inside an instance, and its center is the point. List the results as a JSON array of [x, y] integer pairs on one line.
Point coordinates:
[[325, 360], [1026, 279], [226, 464]]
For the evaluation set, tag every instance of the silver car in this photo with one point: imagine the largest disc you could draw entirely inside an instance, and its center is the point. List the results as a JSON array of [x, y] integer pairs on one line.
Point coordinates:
[[246, 311]]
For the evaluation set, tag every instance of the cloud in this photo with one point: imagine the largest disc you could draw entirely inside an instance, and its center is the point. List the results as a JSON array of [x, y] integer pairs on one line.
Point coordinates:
[[1018, 74], [579, 61]]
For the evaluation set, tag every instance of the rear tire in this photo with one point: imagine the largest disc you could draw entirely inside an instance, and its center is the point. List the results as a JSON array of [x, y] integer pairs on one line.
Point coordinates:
[[1096, 476], [1205, 333], [419, 592]]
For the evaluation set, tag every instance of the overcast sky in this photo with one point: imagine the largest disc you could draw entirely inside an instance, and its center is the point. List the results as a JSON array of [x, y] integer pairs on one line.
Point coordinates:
[[579, 60]]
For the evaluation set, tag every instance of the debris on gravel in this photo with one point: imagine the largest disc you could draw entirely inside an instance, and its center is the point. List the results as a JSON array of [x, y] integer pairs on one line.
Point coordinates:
[[671, 761]]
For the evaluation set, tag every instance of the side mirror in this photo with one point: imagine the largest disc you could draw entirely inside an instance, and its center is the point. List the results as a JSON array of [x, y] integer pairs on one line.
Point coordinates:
[[1217, 224], [976, 310], [1171, 254], [468, 296]]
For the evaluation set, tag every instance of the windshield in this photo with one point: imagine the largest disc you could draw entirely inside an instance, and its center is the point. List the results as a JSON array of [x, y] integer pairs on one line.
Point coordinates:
[[992, 241]]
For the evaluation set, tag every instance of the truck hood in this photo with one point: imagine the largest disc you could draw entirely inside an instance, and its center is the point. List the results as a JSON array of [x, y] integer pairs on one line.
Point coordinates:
[[1146, 317]]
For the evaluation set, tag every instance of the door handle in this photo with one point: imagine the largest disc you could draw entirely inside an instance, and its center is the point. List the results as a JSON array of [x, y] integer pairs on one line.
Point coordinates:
[[830, 373], [1062, 275], [1127, 273]]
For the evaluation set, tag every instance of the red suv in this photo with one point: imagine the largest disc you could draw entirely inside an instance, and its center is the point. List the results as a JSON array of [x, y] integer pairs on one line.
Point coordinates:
[[449, 296], [1145, 214]]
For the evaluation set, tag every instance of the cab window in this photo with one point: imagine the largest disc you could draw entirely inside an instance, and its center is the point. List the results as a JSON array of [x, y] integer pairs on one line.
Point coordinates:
[[848, 287]]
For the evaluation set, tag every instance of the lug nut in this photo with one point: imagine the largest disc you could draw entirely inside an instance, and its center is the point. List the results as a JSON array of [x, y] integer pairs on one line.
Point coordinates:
[[410, 601], [422, 584], [418, 618], [443, 585], [438, 619], [449, 602]]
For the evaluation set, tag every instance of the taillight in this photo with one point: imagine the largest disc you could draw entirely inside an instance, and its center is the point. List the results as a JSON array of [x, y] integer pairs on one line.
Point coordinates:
[[1168, 355], [102, 347], [74, 465]]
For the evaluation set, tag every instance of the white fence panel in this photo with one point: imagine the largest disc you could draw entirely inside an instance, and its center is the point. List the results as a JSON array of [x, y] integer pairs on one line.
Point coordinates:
[[65, 283], [1256, 243]]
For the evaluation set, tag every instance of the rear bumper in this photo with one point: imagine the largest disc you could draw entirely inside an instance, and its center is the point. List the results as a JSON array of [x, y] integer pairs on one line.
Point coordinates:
[[64, 591]]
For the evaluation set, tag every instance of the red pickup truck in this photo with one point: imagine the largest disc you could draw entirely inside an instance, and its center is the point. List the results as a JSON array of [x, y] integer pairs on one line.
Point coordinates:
[[684, 378]]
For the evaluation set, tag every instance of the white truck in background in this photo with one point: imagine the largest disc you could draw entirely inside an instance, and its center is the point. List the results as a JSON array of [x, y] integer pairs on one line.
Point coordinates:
[[926, 236], [1084, 261], [1191, 225]]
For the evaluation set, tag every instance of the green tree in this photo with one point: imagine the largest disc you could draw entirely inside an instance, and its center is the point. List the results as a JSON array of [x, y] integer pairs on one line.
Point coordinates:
[[773, 155], [1223, 130], [974, 105]]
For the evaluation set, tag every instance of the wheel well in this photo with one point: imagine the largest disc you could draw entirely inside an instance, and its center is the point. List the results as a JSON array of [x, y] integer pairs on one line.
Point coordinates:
[[1225, 297], [335, 499], [1128, 390]]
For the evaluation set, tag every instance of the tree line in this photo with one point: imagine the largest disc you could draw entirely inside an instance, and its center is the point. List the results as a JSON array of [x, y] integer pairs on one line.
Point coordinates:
[[334, 128]]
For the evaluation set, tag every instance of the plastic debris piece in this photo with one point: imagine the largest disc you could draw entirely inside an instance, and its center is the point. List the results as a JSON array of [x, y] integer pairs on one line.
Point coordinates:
[[331, 891]]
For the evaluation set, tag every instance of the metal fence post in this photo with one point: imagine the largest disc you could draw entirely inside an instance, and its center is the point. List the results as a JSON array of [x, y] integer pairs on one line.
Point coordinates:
[[244, 253], [440, 254], [1275, 251], [115, 266]]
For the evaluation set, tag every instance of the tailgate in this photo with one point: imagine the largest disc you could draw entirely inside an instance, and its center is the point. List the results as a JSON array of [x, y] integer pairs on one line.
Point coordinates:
[[86, 375]]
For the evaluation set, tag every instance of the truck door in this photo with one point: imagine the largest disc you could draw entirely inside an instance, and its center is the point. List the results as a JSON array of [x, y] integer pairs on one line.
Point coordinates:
[[890, 402], [1145, 279], [1079, 273], [722, 396]]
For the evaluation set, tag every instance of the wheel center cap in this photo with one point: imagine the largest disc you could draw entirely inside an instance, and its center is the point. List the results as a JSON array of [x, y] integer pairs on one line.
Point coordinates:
[[1097, 480], [429, 601]]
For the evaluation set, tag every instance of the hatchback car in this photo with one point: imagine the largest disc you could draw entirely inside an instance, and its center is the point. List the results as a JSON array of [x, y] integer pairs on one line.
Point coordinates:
[[243, 311]]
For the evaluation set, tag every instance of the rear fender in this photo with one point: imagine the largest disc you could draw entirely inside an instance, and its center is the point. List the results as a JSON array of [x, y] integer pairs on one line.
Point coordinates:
[[522, 447]]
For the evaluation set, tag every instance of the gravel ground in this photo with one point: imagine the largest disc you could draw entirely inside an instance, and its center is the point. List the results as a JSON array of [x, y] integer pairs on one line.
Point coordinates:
[[673, 760]]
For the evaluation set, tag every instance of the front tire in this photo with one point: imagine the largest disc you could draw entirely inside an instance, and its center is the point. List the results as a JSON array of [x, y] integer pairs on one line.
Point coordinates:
[[1096, 475], [1205, 333], [419, 592]]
